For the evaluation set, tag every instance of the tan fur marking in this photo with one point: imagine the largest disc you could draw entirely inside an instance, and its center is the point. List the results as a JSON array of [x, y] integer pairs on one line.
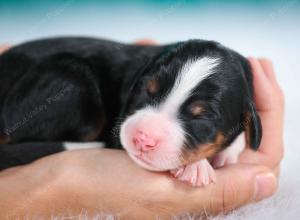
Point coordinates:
[[204, 151], [196, 109], [152, 86], [4, 139], [93, 135], [247, 128]]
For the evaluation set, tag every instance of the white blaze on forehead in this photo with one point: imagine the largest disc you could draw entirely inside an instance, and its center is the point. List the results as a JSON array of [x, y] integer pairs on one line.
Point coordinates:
[[191, 74]]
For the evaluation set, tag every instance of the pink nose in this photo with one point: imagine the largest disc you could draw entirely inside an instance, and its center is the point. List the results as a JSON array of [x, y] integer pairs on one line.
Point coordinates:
[[144, 142]]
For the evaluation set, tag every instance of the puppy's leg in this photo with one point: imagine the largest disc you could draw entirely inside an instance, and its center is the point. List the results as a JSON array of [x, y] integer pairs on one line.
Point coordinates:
[[199, 173], [231, 153], [23, 153], [58, 100]]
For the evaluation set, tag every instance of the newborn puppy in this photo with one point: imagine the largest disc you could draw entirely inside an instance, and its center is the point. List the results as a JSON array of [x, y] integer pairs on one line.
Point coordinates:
[[178, 107], [188, 108]]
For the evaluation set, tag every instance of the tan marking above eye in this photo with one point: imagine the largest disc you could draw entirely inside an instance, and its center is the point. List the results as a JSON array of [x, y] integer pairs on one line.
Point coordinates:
[[4, 139], [152, 86], [196, 109]]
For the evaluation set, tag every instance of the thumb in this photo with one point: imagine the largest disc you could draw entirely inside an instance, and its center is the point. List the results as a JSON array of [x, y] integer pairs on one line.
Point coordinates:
[[236, 186], [146, 41]]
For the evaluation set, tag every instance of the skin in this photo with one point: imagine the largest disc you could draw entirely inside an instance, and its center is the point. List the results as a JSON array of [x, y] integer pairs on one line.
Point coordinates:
[[107, 181]]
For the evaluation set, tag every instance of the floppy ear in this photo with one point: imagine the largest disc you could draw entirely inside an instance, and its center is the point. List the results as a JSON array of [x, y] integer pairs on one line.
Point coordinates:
[[252, 123], [253, 126]]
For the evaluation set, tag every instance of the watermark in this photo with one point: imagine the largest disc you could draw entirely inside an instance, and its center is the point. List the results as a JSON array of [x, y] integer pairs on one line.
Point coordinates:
[[167, 12], [242, 125], [40, 108], [50, 15], [281, 11]]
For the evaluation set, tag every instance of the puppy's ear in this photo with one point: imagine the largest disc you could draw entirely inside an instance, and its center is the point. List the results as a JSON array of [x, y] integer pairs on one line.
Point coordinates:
[[252, 123], [253, 126]]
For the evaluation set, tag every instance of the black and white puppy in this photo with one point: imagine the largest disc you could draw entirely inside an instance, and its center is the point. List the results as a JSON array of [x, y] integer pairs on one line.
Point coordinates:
[[178, 107]]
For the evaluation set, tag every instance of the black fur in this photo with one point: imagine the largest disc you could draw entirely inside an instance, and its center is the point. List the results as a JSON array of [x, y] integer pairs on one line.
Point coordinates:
[[79, 89]]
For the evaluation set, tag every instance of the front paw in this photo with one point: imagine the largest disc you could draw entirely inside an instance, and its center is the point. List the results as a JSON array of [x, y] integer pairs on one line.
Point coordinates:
[[198, 174]]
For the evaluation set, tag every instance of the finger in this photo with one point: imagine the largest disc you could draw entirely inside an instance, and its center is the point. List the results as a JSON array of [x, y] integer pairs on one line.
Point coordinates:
[[269, 157], [269, 72], [268, 69], [236, 186], [267, 94], [146, 41], [263, 91], [4, 47], [276, 171]]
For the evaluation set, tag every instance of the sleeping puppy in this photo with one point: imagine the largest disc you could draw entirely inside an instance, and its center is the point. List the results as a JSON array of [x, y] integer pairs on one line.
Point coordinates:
[[182, 107]]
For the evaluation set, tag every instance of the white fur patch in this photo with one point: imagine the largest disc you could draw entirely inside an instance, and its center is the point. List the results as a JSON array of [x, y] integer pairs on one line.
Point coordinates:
[[191, 74], [82, 145], [231, 154]]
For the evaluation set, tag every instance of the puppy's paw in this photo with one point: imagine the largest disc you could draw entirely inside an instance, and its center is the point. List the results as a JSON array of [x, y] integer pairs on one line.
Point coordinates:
[[198, 174]]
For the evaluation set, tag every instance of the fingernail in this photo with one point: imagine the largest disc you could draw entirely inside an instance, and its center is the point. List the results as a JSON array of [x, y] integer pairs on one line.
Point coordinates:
[[265, 186], [250, 58]]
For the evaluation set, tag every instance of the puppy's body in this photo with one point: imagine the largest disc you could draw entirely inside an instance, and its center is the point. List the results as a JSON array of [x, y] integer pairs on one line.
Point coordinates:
[[63, 89], [79, 89]]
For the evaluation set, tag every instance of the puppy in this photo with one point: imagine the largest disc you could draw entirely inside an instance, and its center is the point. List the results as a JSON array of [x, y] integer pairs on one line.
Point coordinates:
[[183, 107]]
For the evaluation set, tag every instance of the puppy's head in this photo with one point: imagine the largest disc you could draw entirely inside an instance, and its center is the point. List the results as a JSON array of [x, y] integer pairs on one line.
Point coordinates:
[[188, 104]]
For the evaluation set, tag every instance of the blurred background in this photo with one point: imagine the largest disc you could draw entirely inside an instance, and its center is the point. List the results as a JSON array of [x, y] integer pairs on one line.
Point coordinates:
[[258, 28]]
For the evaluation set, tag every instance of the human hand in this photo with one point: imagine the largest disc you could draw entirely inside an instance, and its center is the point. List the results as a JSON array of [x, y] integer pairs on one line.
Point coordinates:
[[108, 181]]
